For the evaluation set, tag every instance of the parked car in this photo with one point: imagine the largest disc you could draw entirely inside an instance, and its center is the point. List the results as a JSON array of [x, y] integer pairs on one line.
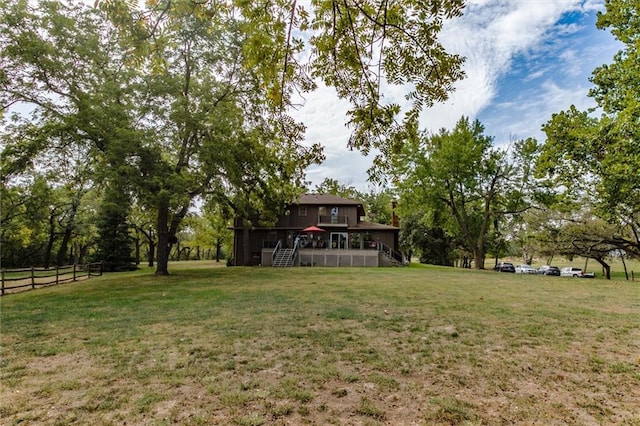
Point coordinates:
[[576, 272], [549, 270], [504, 267], [525, 269], [571, 272]]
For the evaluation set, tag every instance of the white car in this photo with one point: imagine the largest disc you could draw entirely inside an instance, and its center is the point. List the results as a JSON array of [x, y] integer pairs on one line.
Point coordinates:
[[525, 269], [571, 272]]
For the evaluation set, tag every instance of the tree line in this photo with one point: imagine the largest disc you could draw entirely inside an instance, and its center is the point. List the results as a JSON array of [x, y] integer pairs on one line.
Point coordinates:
[[117, 117], [575, 194], [118, 123]]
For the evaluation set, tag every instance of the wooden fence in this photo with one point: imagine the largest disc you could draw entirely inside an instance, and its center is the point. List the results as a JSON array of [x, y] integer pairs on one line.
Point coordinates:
[[30, 278]]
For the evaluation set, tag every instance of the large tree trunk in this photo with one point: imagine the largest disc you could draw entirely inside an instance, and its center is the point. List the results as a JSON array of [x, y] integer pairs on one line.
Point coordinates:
[[178, 251], [479, 254], [478, 258], [605, 267], [64, 247], [81, 252], [68, 233], [152, 252], [167, 232], [624, 264], [164, 247], [52, 237], [137, 249]]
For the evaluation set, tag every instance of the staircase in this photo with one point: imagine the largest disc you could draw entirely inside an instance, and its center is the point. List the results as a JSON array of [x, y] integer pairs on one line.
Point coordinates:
[[284, 258], [389, 257], [385, 260]]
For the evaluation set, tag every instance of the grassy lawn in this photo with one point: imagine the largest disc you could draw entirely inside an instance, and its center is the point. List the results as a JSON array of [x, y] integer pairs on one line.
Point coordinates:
[[362, 346]]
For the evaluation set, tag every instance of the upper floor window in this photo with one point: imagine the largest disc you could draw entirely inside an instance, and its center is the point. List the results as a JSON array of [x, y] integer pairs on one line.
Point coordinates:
[[302, 210]]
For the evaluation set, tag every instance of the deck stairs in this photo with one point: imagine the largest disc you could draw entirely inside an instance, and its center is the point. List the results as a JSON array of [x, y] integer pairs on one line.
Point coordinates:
[[284, 258], [389, 257], [387, 260]]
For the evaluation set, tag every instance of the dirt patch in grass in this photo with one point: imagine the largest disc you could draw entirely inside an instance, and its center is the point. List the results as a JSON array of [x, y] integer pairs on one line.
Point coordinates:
[[246, 347]]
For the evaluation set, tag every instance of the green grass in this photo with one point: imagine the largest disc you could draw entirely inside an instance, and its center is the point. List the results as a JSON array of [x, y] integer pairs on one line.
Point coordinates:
[[251, 346]]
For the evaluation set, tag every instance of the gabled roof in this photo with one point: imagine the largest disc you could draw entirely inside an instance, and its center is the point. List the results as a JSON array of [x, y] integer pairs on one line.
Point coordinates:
[[327, 199]]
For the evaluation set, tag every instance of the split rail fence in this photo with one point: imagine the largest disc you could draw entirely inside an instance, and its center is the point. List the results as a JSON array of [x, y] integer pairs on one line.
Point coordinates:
[[30, 278]]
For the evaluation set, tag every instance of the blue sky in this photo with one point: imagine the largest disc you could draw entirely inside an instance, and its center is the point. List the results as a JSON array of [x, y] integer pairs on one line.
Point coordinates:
[[526, 59]]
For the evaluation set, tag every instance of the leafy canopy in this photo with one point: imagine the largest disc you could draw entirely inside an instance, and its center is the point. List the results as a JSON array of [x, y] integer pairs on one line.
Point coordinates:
[[357, 47], [599, 157]]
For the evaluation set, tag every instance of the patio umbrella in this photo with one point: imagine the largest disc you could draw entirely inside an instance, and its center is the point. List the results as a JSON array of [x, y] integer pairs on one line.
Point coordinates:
[[312, 229]]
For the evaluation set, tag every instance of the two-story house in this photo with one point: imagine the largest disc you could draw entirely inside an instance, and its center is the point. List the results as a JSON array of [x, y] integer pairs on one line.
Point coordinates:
[[320, 230]]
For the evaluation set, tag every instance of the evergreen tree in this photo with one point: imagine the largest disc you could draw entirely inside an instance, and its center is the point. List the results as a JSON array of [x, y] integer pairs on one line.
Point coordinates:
[[114, 245]]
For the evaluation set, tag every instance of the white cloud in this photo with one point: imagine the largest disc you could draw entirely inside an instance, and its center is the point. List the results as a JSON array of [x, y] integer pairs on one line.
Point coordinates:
[[325, 117], [534, 75], [571, 62], [534, 109], [490, 35]]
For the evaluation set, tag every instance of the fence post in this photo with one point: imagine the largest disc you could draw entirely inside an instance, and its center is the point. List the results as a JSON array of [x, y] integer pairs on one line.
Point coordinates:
[[2, 285], [33, 277], [74, 272], [57, 272]]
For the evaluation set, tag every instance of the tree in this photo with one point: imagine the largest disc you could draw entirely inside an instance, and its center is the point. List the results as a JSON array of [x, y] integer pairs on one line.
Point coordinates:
[[431, 242], [170, 124], [333, 187], [461, 172], [574, 232], [161, 96], [211, 230], [526, 202], [64, 64], [362, 45], [59, 180], [379, 205], [264, 174], [356, 47], [599, 157], [41, 220], [23, 219], [114, 243], [589, 238], [143, 224]]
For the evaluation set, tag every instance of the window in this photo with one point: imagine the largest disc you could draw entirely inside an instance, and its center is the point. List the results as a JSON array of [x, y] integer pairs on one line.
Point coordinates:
[[302, 210], [369, 243], [322, 211], [334, 215], [355, 240], [339, 240]]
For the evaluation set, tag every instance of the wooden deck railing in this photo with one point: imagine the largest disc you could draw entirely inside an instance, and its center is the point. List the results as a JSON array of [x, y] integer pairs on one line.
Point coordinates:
[[38, 277]]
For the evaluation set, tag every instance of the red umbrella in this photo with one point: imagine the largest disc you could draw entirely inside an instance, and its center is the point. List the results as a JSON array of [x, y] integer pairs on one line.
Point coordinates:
[[312, 229]]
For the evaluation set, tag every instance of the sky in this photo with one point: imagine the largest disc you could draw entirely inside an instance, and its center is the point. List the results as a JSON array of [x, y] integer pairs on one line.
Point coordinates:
[[526, 59]]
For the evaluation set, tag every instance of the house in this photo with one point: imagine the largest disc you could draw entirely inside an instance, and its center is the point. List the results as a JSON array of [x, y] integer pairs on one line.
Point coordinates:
[[319, 230]]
